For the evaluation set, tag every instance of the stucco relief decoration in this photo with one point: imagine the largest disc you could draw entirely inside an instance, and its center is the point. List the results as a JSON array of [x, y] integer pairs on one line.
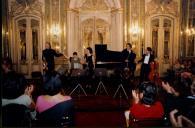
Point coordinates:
[[93, 5], [26, 7], [162, 7]]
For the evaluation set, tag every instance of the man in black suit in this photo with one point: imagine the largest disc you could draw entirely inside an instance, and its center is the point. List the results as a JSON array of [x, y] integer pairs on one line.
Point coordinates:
[[147, 58], [48, 57], [129, 58]]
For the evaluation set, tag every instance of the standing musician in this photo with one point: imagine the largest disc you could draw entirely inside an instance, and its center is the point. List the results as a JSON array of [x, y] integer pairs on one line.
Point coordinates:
[[48, 58], [147, 58], [129, 58]]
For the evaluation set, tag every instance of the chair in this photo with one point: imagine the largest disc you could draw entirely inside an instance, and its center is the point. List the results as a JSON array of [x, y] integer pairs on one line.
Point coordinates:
[[61, 115], [150, 122], [15, 115]]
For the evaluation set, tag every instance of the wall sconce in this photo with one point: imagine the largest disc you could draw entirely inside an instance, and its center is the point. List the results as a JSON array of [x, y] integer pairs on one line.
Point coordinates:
[[190, 31], [55, 30], [135, 30]]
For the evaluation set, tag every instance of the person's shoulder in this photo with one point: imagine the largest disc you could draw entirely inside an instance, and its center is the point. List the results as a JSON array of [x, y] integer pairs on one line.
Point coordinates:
[[158, 103]]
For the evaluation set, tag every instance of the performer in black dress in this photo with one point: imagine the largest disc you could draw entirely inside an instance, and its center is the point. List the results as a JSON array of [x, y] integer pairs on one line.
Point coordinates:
[[90, 61], [48, 58], [147, 58], [129, 58]]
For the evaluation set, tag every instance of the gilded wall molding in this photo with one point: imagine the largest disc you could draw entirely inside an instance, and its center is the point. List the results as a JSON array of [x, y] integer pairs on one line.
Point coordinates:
[[34, 8], [162, 7]]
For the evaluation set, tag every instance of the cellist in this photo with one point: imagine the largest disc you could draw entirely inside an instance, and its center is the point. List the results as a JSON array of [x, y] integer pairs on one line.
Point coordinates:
[[147, 58]]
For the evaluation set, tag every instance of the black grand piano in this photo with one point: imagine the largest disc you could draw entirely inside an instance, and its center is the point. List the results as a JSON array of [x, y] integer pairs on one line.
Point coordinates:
[[108, 59]]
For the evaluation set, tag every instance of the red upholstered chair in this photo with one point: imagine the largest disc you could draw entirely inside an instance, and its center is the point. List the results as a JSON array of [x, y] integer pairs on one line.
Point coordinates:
[[150, 122]]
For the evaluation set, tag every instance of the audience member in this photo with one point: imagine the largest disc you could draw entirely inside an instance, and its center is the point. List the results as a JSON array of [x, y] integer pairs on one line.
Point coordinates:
[[175, 99], [145, 104], [53, 94], [17, 91], [6, 68], [177, 67], [180, 120]]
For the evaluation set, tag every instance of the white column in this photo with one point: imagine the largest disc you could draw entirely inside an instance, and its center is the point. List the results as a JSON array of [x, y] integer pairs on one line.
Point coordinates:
[[72, 32], [117, 31], [29, 45]]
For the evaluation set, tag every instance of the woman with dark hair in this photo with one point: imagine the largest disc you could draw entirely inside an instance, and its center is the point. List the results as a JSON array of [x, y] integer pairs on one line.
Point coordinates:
[[90, 61], [145, 105], [53, 105], [53, 93]]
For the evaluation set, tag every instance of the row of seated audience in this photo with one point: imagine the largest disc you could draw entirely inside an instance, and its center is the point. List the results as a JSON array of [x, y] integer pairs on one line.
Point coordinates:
[[173, 101], [184, 68], [52, 108]]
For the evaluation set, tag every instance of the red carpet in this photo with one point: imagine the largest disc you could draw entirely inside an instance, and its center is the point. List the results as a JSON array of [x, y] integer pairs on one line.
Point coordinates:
[[99, 111], [103, 119]]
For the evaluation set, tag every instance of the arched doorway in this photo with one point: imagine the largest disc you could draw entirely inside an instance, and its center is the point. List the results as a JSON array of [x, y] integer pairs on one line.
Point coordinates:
[[27, 44], [163, 38], [95, 31], [93, 22]]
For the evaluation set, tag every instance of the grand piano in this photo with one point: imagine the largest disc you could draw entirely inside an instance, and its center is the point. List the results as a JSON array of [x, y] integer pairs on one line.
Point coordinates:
[[108, 59]]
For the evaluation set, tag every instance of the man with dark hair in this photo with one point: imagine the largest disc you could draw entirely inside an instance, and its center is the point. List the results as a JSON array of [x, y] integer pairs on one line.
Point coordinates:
[[48, 58], [129, 58], [147, 58]]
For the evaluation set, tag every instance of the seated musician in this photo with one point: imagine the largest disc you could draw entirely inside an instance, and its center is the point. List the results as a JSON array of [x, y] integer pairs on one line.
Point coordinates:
[[144, 104], [75, 61]]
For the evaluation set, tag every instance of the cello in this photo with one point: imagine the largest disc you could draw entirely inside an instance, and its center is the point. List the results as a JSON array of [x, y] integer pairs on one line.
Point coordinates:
[[154, 75]]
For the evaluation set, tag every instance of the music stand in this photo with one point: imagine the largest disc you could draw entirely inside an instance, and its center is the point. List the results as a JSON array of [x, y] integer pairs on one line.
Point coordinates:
[[120, 86], [101, 87], [77, 73]]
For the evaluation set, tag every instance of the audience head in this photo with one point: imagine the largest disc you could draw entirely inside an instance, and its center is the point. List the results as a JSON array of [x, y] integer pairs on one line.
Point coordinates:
[[14, 86], [129, 46], [89, 50], [192, 88], [148, 92], [7, 64], [47, 45], [52, 84]]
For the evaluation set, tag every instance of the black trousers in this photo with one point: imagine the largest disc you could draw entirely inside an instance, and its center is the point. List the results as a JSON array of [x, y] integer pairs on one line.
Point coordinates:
[[144, 74]]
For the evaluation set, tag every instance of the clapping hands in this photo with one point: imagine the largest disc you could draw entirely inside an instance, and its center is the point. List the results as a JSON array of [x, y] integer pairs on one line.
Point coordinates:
[[135, 96], [29, 89], [179, 121], [169, 89]]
